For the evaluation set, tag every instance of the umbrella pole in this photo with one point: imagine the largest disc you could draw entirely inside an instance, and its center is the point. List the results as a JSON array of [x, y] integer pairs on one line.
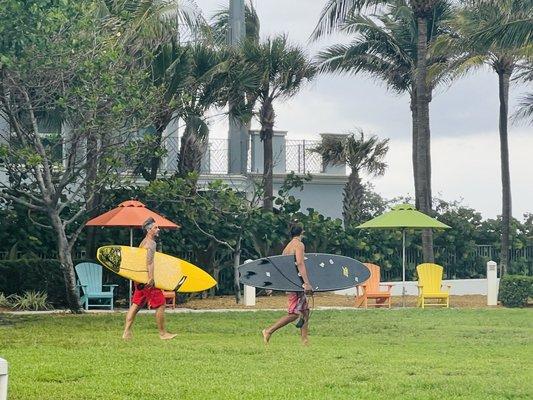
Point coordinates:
[[131, 245], [403, 267]]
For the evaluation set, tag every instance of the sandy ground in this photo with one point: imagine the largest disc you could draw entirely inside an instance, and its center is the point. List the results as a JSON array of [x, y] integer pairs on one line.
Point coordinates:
[[279, 301]]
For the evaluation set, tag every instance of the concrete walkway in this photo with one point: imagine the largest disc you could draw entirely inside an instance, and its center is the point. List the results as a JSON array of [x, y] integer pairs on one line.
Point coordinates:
[[173, 311]]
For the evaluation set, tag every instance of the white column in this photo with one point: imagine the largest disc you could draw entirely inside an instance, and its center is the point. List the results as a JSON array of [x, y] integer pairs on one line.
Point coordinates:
[[3, 379], [492, 283], [249, 296], [249, 293]]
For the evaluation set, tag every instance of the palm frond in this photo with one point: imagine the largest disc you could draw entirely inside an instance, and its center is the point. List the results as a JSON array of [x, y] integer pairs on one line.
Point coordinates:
[[335, 12], [525, 109]]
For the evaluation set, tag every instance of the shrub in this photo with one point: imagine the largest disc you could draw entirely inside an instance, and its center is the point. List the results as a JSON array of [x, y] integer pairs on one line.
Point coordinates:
[[5, 301], [19, 276], [515, 290], [31, 301]]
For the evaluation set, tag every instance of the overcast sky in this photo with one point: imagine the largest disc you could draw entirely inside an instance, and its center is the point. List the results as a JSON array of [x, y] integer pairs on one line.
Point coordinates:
[[464, 121]]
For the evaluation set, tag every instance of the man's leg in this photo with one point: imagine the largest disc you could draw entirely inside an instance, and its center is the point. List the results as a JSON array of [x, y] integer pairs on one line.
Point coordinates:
[[130, 317], [279, 324], [160, 319], [304, 330]]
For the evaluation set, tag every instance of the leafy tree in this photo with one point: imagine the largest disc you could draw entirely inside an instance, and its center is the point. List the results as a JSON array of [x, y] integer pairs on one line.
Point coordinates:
[[58, 63]]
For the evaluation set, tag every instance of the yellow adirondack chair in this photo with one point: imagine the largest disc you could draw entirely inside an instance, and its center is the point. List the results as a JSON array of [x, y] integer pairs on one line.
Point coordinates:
[[430, 286]]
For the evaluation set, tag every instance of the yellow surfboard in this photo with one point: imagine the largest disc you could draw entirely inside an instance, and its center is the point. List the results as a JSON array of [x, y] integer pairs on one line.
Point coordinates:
[[170, 273]]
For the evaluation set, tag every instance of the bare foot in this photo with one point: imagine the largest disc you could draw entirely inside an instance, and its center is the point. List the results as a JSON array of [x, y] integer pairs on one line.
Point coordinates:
[[266, 336], [305, 342], [127, 335], [167, 336]]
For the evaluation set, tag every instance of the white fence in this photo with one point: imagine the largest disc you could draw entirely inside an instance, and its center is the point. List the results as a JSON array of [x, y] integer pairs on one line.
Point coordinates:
[[458, 287]]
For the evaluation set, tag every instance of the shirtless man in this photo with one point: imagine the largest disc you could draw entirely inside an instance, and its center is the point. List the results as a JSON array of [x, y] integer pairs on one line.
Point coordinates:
[[298, 306], [147, 293]]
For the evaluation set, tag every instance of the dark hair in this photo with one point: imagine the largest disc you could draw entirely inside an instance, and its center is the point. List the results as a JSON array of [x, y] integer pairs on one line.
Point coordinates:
[[147, 225], [296, 228]]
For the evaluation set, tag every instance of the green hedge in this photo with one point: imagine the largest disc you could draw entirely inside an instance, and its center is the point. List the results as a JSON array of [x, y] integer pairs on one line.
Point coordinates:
[[19, 276], [515, 290]]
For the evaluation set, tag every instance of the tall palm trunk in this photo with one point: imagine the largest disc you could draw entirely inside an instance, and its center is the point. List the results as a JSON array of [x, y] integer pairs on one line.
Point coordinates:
[[155, 161], [267, 117], [192, 149], [503, 84], [414, 118], [353, 195], [423, 171]]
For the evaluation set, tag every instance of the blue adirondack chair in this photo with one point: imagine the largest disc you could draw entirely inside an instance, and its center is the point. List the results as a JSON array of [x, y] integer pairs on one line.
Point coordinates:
[[90, 282]]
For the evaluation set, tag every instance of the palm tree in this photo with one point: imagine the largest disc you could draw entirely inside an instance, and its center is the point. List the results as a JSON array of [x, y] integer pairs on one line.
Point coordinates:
[[282, 69], [151, 30], [362, 156], [393, 47], [481, 16], [205, 87], [220, 24], [515, 31], [146, 24]]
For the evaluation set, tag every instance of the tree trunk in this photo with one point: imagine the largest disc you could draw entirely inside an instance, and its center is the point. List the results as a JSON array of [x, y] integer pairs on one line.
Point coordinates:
[[236, 263], [92, 200], [414, 117], [155, 161], [423, 170], [503, 81], [67, 265], [267, 116], [353, 195], [191, 150]]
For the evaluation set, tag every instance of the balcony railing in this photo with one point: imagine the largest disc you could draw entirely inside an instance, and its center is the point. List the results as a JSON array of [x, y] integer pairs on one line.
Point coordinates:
[[298, 156]]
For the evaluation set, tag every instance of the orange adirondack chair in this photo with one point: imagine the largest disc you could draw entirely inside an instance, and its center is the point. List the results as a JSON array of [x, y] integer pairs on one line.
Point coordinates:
[[430, 286], [371, 289]]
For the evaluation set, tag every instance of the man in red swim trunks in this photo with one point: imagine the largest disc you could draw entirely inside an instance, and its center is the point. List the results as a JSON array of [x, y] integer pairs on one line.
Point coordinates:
[[147, 293], [297, 301]]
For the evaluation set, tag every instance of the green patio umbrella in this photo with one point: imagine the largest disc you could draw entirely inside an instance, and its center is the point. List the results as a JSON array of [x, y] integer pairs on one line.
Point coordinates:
[[403, 216]]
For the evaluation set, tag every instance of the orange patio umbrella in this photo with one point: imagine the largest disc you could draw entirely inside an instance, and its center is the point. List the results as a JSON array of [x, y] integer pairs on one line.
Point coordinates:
[[130, 214]]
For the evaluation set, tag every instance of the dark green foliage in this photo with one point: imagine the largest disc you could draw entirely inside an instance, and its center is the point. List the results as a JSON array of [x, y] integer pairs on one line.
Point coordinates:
[[515, 290], [25, 275]]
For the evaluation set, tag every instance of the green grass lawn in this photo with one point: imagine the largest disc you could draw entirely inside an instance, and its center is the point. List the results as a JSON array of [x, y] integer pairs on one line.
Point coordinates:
[[374, 354]]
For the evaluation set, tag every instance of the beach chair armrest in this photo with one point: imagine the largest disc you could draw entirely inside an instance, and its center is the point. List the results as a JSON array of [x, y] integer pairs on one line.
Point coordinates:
[[111, 287], [388, 285]]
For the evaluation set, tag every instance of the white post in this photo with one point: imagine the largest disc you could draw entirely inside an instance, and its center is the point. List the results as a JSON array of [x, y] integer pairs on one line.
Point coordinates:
[[492, 284], [3, 379], [249, 293]]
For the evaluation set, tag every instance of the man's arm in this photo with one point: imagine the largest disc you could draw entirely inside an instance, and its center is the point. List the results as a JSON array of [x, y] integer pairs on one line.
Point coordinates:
[[300, 264], [150, 254]]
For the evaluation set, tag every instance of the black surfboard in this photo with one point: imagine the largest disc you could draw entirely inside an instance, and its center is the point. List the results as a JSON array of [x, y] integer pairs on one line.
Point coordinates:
[[326, 272]]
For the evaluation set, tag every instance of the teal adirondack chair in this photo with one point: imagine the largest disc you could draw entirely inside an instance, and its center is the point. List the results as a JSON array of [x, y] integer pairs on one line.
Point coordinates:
[[90, 282]]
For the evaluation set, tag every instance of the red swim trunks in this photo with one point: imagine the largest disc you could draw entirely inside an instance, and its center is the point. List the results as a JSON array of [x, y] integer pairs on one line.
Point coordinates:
[[297, 302], [153, 296]]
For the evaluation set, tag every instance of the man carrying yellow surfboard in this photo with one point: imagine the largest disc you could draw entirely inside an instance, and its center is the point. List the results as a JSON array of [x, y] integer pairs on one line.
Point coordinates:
[[147, 293], [297, 301]]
